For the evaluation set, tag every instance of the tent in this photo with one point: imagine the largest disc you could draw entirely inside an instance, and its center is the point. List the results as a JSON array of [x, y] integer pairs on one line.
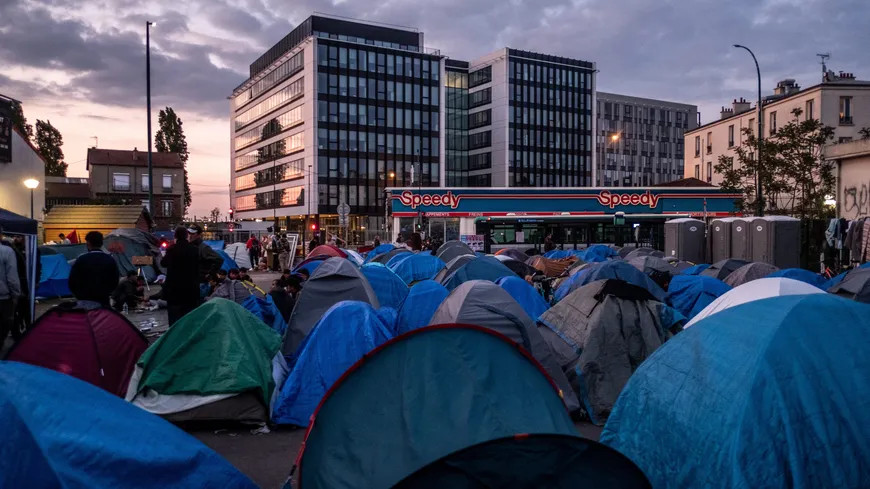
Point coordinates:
[[485, 304], [681, 266], [695, 269], [215, 363], [836, 279], [689, 294], [70, 251], [721, 269], [311, 263], [13, 224], [512, 253], [482, 268], [238, 252], [125, 243], [462, 394], [625, 250], [452, 249], [388, 287], [335, 280], [751, 291], [636, 252], [347, 331], [228, 262], [61, 432], [379, 250], [599, 250], [54, 277], [551, 267], [326, 249], [620, 270], [749, 272], [777, 401], [452, 266], [266, 310], [419, 306], [659, 270], [805, 276], [98, 346], [518, 267], [413, 267], [526, 296], [855, 285], [355, 257], [601, 332], [385, 257], [215, 244]]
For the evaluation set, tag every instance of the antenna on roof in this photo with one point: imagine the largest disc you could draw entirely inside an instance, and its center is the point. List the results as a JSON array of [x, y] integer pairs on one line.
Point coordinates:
[[96, 141], [824, 57]]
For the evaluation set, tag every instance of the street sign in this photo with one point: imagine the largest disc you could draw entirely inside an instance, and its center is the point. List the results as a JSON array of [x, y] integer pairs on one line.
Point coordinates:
[[343, 214]]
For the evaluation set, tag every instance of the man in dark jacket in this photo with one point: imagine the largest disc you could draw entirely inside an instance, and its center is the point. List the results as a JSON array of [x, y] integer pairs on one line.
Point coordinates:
[[181, 288], [94, 275], [209, 261], [127, 292]]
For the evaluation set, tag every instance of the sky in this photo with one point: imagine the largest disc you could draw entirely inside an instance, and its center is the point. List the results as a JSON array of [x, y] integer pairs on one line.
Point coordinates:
[[81, 63]]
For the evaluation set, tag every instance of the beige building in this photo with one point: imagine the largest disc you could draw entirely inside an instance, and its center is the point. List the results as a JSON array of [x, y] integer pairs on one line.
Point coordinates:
[[840, 101], [853, 177], [26, 164]]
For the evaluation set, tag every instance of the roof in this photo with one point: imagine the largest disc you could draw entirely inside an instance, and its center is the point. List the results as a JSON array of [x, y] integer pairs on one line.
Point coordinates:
[[686, 182], [95, 214], [134, 157], [29, 143]]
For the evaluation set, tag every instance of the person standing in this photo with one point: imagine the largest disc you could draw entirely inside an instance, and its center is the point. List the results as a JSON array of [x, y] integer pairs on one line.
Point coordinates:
[[376, 242], [94, 275], [209, 261], [276, 253], [267, 245], [10, 288], [253, 247], [284, 252], [181, 288], [314, 243]]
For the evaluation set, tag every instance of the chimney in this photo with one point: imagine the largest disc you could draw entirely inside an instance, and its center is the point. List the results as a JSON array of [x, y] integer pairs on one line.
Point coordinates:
[[135, 154], [740, 106], [725, 113], [786, 87]]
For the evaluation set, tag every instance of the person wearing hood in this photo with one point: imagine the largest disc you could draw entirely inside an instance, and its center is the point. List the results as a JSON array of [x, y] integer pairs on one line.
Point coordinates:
[[209, 261]]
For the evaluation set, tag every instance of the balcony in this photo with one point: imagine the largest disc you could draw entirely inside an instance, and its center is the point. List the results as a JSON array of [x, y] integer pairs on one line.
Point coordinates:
[[709, 149], [167, 190], [846, 120]]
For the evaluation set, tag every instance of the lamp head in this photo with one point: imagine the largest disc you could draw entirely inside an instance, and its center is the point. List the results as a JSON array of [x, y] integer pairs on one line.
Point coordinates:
[[614, 138], [152, 24], [31, 183]]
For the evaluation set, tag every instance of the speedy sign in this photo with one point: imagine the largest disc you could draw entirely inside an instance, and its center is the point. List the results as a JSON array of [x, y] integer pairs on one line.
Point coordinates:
[[610, 199], [413, 200]]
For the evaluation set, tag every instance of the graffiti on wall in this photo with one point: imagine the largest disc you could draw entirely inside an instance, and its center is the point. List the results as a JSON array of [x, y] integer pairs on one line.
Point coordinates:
[[856, 200]]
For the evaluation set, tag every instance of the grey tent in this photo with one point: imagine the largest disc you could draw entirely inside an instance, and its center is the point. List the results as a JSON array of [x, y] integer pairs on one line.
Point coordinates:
[[656, 268], [236, 291], [335, 280], [383, 258], [452, 266], [855, 285], [722, 268], [679, 266], [483, 303], [749, 272], [643, 252], [625, 250], [600, 334], [518, 267], [513, 253], [125, 243], [452, 249]]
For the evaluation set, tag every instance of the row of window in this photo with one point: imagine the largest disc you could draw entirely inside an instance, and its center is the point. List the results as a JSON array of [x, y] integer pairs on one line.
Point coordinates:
[[276, 76], [480, 161], [284, 96], [631, 147], [631, 130], [370, 142], [376, 173], [272, 175], [481, 97], [549, 119], [363, 40], [389, 90], [285, 197], [649, 115], [480, 140], [273, 126], [536, 95], [480, 119], [370, 115], [479, 77], [543, 178], [549, 74], [271, 151], [375, 62], [121, 182], [557, 140]]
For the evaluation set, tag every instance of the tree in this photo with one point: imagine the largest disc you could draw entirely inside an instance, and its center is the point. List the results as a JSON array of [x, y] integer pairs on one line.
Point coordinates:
[[215, 214], [48, 143], [170, 139], [795, 177], [20, 122], [864, 132]]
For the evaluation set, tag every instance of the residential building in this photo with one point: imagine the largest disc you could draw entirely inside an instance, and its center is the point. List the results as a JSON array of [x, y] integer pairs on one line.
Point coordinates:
[[639, 141], [840, 101], [853, 177], [67, 191], [19, 161], [121, 177]]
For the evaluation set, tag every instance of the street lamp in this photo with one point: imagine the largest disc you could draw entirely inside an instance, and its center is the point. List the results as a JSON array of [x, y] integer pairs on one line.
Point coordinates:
[[758, 194], [148, 25], [31, 183]]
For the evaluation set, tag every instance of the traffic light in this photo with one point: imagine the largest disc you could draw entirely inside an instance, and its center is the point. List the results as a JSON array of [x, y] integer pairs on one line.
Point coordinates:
[[231, 213], [314, 226]]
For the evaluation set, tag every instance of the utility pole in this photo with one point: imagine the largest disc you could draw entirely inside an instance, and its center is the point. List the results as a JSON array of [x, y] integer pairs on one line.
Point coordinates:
[[148, 25], [759, 197]]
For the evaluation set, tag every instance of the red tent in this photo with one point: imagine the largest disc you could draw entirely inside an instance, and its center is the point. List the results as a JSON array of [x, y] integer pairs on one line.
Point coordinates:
[[328, 250], [98, 346]]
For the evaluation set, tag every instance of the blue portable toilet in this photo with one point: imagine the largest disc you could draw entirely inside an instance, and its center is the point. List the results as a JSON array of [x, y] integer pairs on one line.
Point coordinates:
[[389, 288], [422, 302]]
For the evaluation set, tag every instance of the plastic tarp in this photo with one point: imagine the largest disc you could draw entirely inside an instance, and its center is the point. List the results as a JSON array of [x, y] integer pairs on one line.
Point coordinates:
[[748, 273], [54, 277], [609, 270], [422, 302], [69, 443], [695, 269], [689, 294], [552, 267], [772, 393], [218, 348], [481, 268], [598, 252], [526, 296], [485, 304], [98, 346], [520, 268], [414, 267], [70, 251], [389, 288], [239, 254], [420, 397], [755, 290], [228, 262], [346, 332], [560, 254], [805, 276], [335, 280], [379, 250]]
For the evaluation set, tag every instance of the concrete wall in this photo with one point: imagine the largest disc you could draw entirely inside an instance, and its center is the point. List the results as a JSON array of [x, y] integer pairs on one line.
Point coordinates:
[[14, 196], [853, 182]]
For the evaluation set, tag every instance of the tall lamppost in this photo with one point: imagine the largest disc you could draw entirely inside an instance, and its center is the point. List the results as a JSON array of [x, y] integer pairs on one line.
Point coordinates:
[[759, 198], [31, 183], [614, 140], [148, 25]]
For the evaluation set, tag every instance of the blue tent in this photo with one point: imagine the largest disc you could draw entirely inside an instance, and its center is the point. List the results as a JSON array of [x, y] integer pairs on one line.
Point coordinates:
[[389, 317], [413, 267], [559, 254], [802, 275], [598, 253], [389, 288], [770, 393], [688, 294], [309, 266], [421, 303], [347, 331], [608, 270], [215, 244], [695, 270], [69, 443], [481, 268], [354, 257], [54, 277], [228, 262], [526, 296], [379, 250], [833, 281], [266, 310]]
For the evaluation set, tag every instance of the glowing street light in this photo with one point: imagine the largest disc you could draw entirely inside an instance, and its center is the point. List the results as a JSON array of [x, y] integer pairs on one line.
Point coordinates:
[[31, 183], [614, 138]]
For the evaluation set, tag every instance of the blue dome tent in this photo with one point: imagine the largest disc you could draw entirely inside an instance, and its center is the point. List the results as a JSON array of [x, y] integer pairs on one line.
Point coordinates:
[[413, 267], [388, 287], [422, 302], [480, 268], [836, 279], [379, 250], [805, 276], [770, 393], [609, 270], [228, 262], [695, 269], [689, 294], [598, 253], [54, 277], [526, 296]]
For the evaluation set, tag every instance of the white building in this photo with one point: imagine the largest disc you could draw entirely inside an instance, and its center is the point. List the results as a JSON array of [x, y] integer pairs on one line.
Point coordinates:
[[26, 164]]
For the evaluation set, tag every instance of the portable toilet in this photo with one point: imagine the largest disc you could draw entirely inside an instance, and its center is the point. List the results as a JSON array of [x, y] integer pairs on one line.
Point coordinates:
[[741, 239], [720, 239], [685, 240], [775, 240]]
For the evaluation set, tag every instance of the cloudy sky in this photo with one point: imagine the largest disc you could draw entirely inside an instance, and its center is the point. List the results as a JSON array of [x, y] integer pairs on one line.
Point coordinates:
[[80, 63]]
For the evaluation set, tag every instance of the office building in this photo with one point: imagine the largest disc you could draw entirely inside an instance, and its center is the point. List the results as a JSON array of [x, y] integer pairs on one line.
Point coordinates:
[[639, 140]]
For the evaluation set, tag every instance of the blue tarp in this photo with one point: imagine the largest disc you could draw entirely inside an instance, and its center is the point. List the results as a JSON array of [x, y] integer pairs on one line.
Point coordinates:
[[389, 288], [688, 294], [379, 250], [215, 244], [54, 437], [696, 269], [771, 393], [805, 276], [526, 296], [608, 270], [228, 262], [266, 311], [421, 303], [481, 268], [413, 267], [347, 331], [598, 253], [54, 277]]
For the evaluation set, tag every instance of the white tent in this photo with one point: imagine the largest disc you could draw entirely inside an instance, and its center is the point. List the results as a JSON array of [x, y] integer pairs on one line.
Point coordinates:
[[753, 291], [239, 253]]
